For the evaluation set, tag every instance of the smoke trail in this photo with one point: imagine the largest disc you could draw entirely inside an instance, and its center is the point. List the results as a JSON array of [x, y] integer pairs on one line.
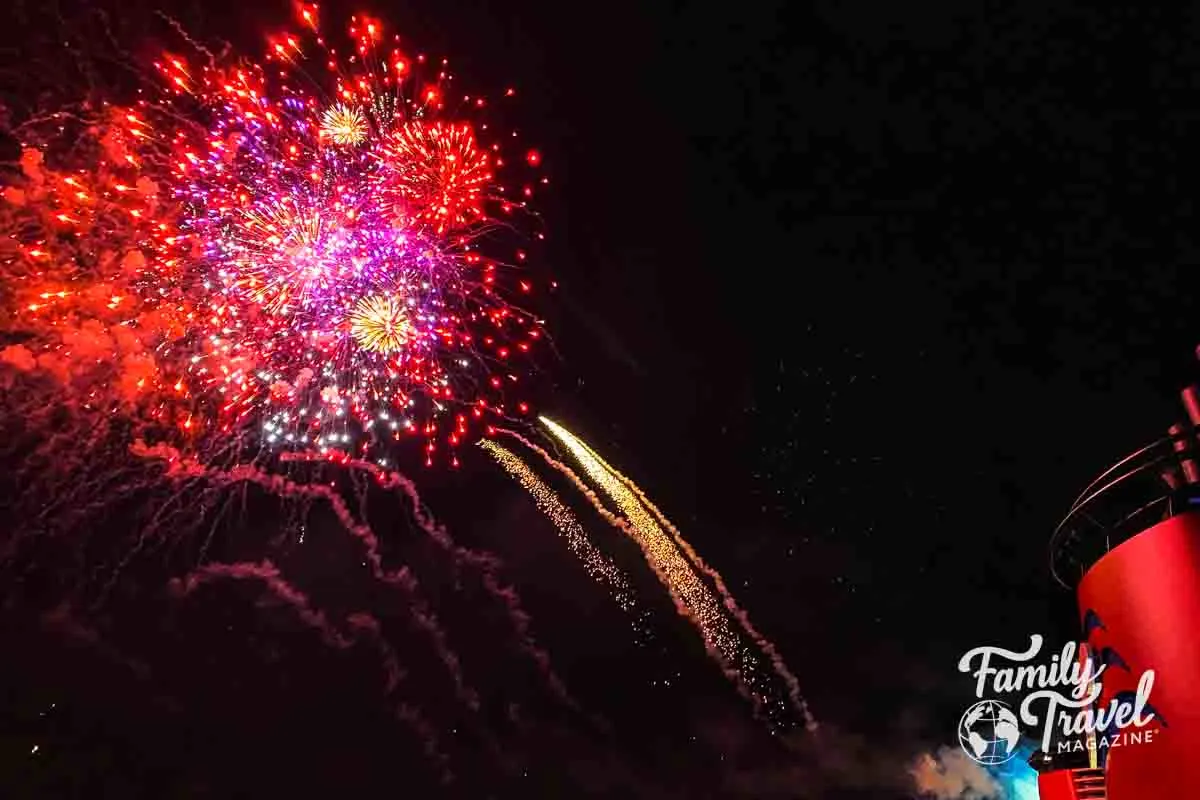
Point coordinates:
[[601, 568], [360, 622], [180, 466], [764, 644], [691, 597], [486, 564], [367, 625], [427, 735], [269, 575], [61, 620]]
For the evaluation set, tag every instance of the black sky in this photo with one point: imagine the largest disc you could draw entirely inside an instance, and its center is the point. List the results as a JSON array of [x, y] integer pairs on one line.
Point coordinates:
[[891, 283], [860, 293]]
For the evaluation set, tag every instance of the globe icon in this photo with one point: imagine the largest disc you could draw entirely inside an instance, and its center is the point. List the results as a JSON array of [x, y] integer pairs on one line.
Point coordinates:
[[988, 732]]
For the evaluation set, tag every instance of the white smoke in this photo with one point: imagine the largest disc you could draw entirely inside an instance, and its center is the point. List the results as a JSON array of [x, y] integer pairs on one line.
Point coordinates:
[[949, 774]]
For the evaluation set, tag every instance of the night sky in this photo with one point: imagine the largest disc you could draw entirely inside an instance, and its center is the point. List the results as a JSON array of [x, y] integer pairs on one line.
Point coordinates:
[[860, 294]]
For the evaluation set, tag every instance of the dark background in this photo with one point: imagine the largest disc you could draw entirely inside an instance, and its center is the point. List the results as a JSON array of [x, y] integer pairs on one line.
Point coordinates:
[[862, 294]]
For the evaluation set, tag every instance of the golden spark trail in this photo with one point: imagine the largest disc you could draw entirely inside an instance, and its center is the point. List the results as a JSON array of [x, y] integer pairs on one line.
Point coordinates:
[[602, 569], [765, 644], [694, 598], [626, 527]]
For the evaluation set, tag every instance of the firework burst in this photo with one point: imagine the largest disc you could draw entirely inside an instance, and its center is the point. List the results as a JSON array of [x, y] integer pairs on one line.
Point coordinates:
[[440, 171], [304, 243], [344, 125], [380, 323]]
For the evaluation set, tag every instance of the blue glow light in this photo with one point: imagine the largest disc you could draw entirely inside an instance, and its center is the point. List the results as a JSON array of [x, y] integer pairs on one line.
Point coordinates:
[[1015, 776]]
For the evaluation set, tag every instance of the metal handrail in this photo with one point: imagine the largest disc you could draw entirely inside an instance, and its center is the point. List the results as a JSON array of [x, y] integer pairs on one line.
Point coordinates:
[[1168, 438], [1168, 452]]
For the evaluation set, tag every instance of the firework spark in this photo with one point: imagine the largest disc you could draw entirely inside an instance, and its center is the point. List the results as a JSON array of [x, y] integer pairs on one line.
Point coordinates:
[[380, 323], [442, 171], [601, 568], [344, 125]]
